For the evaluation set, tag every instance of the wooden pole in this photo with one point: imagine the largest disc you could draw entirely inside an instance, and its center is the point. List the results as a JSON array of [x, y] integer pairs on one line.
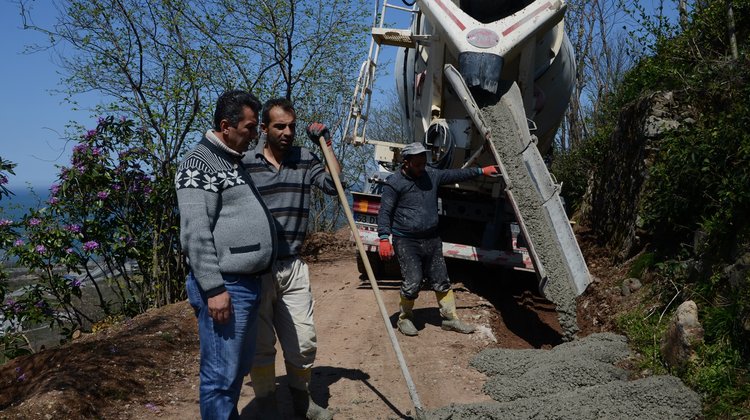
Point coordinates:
[[373, 283]]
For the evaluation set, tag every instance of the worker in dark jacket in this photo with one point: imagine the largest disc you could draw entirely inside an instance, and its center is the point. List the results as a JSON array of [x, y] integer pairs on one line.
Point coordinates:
[[409, 214]]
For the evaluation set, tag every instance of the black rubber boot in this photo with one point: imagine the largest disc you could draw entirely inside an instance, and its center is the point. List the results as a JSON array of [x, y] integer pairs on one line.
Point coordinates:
[[268, 408]]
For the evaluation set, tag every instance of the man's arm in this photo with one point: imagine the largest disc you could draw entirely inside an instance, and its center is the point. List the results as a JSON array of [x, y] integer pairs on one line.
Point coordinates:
[[388, 202], [197, 242], [385, 214], [449, 176], [321, 174], [317, 130]]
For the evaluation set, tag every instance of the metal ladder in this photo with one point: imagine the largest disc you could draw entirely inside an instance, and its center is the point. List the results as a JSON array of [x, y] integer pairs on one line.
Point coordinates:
[[359, 109]]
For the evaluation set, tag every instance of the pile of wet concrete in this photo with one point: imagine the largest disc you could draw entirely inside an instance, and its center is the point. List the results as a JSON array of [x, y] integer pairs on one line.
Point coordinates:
[[574, 380]]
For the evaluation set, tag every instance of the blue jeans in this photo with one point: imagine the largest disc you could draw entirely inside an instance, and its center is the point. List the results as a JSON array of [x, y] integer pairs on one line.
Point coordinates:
[[226, 349]]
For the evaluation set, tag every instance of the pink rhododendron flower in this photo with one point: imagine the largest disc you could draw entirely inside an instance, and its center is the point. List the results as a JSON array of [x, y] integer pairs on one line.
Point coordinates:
[[90, 246], [73, 228]]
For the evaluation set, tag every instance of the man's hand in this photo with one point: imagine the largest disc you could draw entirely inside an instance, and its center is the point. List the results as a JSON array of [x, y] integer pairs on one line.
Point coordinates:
[[385, 249], [317, 130], [493, 170], [220, 307]]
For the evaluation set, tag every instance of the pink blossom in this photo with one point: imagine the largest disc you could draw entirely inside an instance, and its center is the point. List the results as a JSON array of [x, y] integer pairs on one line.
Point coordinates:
[[73, 228], [41, 249], [69, 251], [5, 222], [90, 246], [13, 306], [34, 221], [53, 200], [19, 242], [54, 189], [102, 195]]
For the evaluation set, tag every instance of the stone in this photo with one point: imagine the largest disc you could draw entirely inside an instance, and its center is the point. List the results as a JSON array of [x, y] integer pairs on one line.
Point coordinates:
[[737, 273], [630, 285], [683, 335]]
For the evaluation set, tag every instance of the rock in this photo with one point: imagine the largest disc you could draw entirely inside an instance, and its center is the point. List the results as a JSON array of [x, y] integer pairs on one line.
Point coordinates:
[[737, 272], [630, 285], [683, 335], [700, 242]]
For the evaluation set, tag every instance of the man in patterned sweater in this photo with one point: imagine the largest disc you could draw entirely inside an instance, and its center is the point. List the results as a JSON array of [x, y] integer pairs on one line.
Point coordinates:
[[284, 174], [228, 236]]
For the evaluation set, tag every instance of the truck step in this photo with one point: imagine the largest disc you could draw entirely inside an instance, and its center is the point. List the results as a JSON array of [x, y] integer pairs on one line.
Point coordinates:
[[397, 37]]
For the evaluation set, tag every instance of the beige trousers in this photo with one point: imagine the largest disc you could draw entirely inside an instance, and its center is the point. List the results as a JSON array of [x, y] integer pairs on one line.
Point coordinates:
[[286, 312]]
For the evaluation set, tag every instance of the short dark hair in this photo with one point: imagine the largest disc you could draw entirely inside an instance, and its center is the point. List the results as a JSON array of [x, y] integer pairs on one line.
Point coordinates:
[[230, 104], [283, 103]]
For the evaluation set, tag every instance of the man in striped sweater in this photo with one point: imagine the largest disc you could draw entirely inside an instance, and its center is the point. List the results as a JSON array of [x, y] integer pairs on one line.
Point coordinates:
[[284, 174], [228, 236]]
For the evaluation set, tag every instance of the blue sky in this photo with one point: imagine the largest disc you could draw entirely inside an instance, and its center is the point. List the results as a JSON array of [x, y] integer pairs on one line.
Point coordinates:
[[33, 119]]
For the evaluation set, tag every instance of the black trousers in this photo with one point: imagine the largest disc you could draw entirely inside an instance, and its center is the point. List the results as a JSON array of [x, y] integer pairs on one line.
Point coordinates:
[[421, 259]]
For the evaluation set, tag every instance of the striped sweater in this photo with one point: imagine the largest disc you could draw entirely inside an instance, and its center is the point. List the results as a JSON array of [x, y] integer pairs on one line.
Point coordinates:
[[224, 225], [286, 191]]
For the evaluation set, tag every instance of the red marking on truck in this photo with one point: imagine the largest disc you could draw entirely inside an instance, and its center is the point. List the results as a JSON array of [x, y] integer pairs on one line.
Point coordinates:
[[450, 15], [527, 18]]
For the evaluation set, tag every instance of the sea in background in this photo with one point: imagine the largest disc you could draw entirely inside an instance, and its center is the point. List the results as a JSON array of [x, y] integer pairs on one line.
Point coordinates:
[[20, 203], [23, 199]]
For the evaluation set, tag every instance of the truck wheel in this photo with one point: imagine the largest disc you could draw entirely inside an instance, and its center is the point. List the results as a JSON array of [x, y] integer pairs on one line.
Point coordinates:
[[375, 263]]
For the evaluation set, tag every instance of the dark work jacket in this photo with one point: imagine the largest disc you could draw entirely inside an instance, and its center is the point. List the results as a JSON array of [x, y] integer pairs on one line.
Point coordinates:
[[408, 207]]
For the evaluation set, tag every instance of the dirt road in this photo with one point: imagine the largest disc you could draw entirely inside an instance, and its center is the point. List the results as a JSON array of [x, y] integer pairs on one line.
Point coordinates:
[[356, 372], [147, 367]]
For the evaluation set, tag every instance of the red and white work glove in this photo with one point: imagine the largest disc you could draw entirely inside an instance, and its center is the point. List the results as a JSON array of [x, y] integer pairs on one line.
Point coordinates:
[[317, 130], [493, 170], [385, 249]]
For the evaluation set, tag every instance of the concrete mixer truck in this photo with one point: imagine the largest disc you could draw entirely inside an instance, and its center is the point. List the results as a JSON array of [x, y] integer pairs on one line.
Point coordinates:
[[480, 82]]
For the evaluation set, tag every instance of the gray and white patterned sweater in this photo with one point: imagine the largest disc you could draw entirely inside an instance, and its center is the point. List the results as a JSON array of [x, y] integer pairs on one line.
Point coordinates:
[[224, 225]]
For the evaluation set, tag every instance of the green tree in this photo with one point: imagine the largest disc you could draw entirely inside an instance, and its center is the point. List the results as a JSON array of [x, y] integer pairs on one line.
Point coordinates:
[[161, 63]]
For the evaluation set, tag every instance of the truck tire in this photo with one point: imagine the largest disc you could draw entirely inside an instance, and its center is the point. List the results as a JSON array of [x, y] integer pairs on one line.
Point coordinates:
[[381, 269], [375, 263]]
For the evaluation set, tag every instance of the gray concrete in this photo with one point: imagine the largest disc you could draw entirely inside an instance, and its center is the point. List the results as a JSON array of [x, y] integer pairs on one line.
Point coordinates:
[[575, 380], [510, 137]]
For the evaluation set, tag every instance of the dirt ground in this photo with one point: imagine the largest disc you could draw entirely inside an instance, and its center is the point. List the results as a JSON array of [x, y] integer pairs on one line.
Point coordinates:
[[147, 366]]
